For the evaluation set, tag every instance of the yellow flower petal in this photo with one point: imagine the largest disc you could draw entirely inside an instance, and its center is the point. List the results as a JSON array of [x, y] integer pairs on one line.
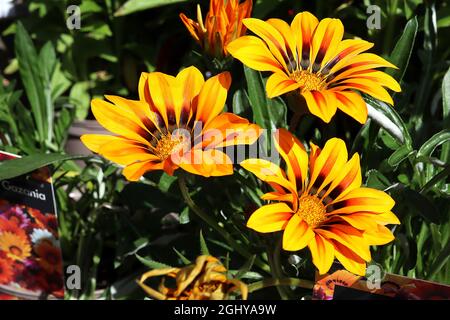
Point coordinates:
[[279, 83], [212, 97], [270, 218], [322, 104], [322, 252], [297, 234], [352, 104], [252, 52]]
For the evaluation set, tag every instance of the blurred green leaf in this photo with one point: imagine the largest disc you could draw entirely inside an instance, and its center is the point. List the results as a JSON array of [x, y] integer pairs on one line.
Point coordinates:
[[246, 267], [402, 52], [132, 6], [445, 154], [17, 167], [166, 181], [185, 260], [152, 264], [30, 72], [184, 216]]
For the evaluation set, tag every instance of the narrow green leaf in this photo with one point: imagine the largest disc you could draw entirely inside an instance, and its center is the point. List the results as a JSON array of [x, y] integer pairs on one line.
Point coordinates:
[[17, 167], [30, 73], [132, 6], [246, 267], [402, 52], [386, 117], [203, 247], [431, 144], [267, 113], [184, 216], [152, 264], [400, 155], [445, 154], [440, 261], [185, 260]]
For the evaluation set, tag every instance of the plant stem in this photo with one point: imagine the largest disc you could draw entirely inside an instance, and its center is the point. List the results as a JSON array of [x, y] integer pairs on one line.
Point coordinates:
[[213, 224]]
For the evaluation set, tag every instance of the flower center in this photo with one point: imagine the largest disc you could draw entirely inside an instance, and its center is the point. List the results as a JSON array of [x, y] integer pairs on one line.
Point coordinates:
[[308, 81], [312, 210], [167, 145]]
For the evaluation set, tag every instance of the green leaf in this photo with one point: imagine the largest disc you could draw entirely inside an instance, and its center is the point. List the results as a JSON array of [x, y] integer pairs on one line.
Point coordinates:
[[267, 113], [79, 94], [440, 261], [240, 102], [185, 260], [17, 167], [400, 155], [246, 267], [132, 6], [420, 203], [166, 181], [377, 180], [152, 264], [184, 216], [30, 72], [386, 117], [203, 247], [402, 52], [431, 144], [445, 154]]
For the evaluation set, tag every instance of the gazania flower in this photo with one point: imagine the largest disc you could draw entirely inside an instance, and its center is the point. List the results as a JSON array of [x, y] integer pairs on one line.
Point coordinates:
[[310, 58], [178, 122], [223, 24], [12, 227], [15, 214], [49, 256], [6, 271], [319, 202], [204, 280], [15, 246]]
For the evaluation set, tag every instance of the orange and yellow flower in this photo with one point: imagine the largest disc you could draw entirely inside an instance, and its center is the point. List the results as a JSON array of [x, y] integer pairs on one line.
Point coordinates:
[[6, 271], [204, 280], [15, 246], [309, 57], [223, 24], [319, 202], [177, 122]]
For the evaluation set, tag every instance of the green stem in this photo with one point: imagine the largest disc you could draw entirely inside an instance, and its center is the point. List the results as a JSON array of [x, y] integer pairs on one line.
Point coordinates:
[[213, 224], [301, 283], [275, 267]]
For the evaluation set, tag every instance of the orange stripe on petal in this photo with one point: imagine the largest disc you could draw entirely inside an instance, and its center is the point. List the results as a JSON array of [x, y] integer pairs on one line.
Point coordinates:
[[268, 172], [271, 36], [328, 165], [295, 156], [303, 26], [322, 104], [363, 199], [326, 39], [352, 104], [297, 234], [279, 83], [348, 178], [322, 252], [134, 172], [351, 261], [253, 53], [119, 121], [270, 218], [212, 97]]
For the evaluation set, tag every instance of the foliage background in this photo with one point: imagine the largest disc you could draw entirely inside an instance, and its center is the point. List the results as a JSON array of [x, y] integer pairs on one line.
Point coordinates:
[[116, 230]]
